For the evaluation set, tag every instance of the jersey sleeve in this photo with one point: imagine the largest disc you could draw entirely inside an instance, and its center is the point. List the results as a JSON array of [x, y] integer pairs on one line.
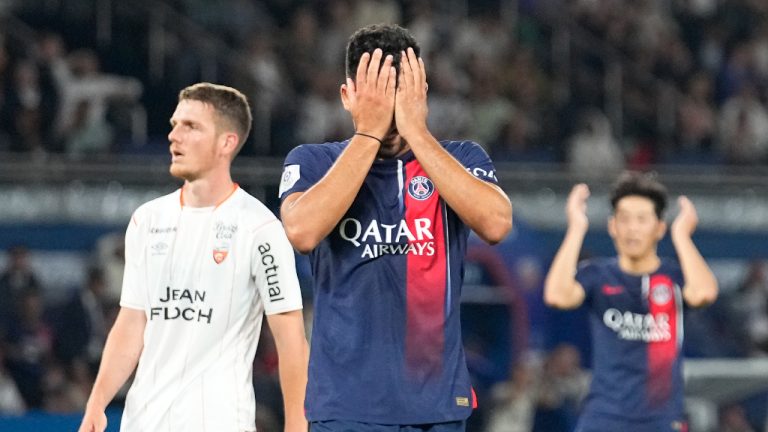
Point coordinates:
[[477, 161], [134, 291], [587, 276], [274, 270], [301, 170]]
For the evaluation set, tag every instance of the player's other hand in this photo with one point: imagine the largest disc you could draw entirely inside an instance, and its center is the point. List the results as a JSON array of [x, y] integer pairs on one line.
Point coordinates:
[[576, 208], [411, 99], [687, 219], [370, 98], [93, 421]]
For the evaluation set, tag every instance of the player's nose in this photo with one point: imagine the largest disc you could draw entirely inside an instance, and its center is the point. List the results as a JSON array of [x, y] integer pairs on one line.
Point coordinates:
[[173, 136]]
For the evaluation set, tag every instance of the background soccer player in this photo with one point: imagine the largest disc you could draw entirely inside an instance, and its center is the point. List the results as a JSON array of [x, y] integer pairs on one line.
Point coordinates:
[[203, 264], [635, 302], [385, 216]]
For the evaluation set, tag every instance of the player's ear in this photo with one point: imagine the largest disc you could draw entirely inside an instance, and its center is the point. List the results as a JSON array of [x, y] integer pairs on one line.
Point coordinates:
[[612, 226], [344, 92], [229, 141], [661, 229]]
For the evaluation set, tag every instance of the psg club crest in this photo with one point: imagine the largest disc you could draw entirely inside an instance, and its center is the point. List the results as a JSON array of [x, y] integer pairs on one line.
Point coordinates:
[[661, 294], [420, 188]]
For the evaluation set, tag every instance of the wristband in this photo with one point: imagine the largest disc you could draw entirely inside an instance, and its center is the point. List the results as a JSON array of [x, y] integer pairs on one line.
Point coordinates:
[[370, 136]]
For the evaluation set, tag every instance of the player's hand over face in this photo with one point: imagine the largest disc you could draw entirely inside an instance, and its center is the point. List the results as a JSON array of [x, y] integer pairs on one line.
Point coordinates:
[[411, 99], [576, 208], [686, 220], [371, 97], [93, 421]]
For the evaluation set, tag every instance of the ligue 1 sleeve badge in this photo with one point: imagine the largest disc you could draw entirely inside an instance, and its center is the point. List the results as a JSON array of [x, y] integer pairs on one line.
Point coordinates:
[[420, 188]]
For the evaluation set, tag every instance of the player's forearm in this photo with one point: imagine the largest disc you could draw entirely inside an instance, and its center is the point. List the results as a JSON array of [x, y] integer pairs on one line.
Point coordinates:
[[484, 207], [700, 283], [560, 287], [311, 217], [293, 382], [118, 361], [293, 357]]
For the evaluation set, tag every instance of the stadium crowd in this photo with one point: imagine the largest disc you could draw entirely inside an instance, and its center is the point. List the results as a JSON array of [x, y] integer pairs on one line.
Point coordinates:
[[539, 83]]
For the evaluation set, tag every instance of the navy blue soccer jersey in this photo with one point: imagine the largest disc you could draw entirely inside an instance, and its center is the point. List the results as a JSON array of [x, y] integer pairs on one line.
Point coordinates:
[[637, 333], [386, 341]]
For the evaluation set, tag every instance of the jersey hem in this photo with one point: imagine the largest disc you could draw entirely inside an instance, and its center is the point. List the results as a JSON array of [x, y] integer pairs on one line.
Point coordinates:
[[388, 421]]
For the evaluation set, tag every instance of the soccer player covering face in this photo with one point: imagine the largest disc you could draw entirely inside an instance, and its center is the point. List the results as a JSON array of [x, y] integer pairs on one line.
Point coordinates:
[[635, 303], [203, 265], [385, 217]]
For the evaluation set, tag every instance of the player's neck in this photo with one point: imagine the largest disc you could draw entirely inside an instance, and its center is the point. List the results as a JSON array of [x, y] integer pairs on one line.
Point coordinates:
[[207, 192], [641, 265]]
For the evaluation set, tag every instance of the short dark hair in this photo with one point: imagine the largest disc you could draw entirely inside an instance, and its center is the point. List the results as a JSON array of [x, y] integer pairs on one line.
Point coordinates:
[[229, 103], [391, 38], [632, 183]]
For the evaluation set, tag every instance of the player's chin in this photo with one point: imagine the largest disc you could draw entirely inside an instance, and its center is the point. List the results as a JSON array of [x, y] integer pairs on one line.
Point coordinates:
[[391, 148], [181, 172]]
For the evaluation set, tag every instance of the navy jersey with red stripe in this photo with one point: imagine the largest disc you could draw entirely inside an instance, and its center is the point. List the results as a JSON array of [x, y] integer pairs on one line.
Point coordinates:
[[386, 341], [637, 332]]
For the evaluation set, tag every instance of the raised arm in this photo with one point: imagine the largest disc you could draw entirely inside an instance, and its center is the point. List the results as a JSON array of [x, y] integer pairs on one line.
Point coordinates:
[[561, 290], [462, 191], [293, 352], [700, 284], [310, 216], [121, 355]]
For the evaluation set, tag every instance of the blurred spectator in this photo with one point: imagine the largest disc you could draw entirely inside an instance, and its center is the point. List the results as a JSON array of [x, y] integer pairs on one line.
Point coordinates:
[[593, 149], [110, 258], [321, 115], [11, 402], [490, 110], [16, 281], [449, 113], [514, 401], [562, 388], [744, 128], [367, 12], [733, 418], [29, 349], [696, 117], [484, 39], [64, 395], [751, 306], [337, 23], [516, 142], [83, 87], [80, 325], [24, 102], [5, 140]]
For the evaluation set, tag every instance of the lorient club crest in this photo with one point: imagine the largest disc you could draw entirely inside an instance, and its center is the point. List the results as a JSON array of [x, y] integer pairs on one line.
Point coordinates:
[[420, 188], [223, 233], [220, 254]]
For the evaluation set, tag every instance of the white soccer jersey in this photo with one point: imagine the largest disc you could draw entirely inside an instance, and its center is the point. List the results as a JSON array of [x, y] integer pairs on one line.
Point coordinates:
[[204, 277]]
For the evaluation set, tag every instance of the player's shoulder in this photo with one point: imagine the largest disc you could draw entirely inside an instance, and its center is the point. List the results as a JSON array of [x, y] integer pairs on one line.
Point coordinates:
[[159, 205], [253, 213], [597, 265], [669, 263], [671, 267], [316, 152], [253, 208], [458, 147]]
